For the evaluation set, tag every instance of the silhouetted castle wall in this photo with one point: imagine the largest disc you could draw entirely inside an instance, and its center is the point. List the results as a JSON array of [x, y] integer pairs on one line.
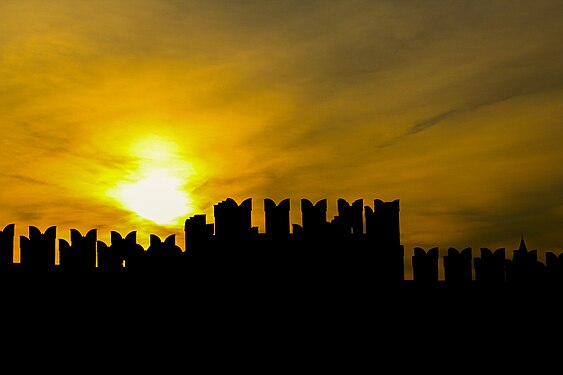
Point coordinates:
[[317, 249]]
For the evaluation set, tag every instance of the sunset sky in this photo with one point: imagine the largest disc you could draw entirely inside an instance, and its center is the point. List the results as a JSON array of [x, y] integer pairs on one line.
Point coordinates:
[[455, 108]]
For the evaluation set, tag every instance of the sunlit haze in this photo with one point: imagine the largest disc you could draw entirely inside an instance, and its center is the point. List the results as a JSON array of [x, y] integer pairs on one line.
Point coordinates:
[[155, 190], [157, 196]]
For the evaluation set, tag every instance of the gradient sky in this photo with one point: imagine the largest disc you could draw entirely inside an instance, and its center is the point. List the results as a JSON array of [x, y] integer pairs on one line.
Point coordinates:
[[455, 108]]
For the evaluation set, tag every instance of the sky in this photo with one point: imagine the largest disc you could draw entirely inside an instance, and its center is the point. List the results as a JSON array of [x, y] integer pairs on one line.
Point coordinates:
[[453, 107]]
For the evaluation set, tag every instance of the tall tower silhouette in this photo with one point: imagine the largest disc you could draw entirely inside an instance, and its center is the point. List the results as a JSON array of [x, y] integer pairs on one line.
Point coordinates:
[[37, 252], [313, 216], [233, 221], [197, 234], [384, 236], [277, 218]]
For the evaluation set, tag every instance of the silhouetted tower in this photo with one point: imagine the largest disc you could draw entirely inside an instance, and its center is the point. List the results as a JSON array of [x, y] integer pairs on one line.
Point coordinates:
[[425, 266], [113, 258], [197, 234], [233, 221], [382, 223], [7, 247], [524, 269], [80, 254], [313, 216], [554, 268], [458, 267], [350, 217], [37, 253], [490, 268], [277, 218], [384, 236]]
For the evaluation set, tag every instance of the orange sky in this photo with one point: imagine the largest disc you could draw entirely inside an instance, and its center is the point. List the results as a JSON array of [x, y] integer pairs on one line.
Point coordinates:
[[453, 108]]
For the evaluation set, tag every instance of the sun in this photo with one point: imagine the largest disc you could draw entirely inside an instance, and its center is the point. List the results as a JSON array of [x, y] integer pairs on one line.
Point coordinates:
[[158, 196], [155, 190]]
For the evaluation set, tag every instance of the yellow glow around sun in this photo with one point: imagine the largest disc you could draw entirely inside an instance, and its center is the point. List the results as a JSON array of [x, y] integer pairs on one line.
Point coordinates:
[[158, 196], [156, 189]]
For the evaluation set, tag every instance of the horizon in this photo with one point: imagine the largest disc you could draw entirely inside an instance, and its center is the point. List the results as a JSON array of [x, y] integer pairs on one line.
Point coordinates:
[[135, 115], [179, 238]]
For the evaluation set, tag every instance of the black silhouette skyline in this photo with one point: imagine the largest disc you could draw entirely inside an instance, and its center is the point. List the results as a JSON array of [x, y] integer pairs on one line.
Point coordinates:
[[231, 249]]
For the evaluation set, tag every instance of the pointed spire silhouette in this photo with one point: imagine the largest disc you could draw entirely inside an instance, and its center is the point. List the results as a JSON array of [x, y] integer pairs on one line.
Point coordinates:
[[522, 246]]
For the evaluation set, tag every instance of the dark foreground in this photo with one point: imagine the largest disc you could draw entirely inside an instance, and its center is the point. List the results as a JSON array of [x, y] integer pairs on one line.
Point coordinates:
[[168, 323], [249, 297]]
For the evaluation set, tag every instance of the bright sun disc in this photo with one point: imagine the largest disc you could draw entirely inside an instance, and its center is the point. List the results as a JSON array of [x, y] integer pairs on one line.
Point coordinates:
[[158, 196]]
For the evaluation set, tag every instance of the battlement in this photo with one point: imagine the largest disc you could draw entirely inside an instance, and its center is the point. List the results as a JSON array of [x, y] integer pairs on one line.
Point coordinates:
[[317, 248]]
